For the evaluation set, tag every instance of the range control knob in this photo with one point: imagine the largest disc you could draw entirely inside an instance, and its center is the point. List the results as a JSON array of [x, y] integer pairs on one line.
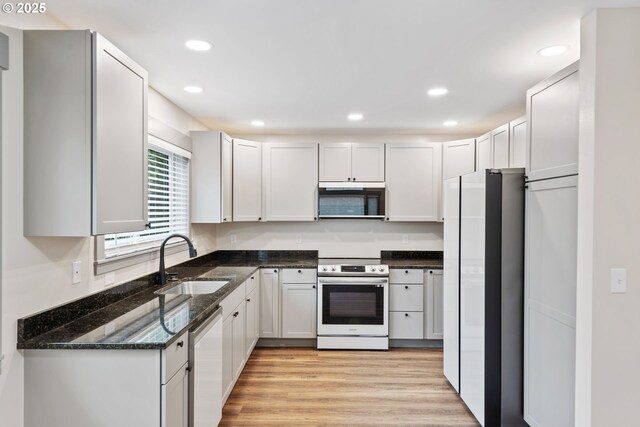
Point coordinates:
[[324, 268], [381, 269], [333, 269]]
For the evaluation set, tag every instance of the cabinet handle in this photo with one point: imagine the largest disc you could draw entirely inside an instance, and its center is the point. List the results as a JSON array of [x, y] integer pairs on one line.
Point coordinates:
[[188, 369], [147, 225], [224, 219], [387, 219], [406, 315], [430, 271], [180, 344], [314, 286], [348, 179], [252, 278], [406, 287], [315, 218], [275, 271], [354, 179], [300, 271], [259, 218], [235, 314], [406, 272], [248, 299]]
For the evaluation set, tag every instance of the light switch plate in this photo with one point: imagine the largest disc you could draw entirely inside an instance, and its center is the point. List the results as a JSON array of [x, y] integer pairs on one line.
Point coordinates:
[[233, 238], [618, 280], [75, 272]]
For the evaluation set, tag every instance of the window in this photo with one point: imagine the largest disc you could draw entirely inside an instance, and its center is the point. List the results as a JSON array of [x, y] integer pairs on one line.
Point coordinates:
[[167, 203]]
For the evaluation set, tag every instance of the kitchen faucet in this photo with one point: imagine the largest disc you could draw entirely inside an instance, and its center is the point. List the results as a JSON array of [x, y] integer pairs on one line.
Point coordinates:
[[162, 275]]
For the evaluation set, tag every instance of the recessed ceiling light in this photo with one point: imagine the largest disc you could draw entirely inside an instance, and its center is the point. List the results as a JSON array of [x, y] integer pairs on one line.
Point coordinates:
[[193, 89], [450, 123], [553, 50], [437, 91], [257, 123], [199, 45], [354, 117]]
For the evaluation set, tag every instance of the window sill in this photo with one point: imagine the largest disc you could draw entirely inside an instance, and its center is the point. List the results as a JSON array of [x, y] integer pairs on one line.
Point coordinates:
[[108, 265]]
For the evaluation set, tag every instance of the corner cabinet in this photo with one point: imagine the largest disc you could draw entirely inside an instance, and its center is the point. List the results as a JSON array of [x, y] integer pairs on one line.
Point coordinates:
[[290, 181], [85, 136], [351, 161], [414, 181], [211, 177], [247, 180]]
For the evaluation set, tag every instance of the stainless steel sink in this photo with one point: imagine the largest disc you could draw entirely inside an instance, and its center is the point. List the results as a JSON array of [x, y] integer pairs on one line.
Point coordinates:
[[195, 287]]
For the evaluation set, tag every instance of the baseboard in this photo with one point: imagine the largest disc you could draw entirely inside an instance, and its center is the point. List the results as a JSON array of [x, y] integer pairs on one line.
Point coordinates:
[[415, 343], [287, 342]]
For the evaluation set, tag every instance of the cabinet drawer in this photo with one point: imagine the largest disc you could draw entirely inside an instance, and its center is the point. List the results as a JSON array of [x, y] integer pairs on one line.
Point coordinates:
[[299, 275], [406, 325], [174, 357], [399, 275], [233, 300], [252, 282], [406, 297]]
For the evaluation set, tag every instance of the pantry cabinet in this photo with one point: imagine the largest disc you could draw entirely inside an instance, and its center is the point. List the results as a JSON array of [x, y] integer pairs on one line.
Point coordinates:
[[500, 147], [211, 177], [290, 179], [351, 161], [414, 181], [518, 142], [247, 180], [458, 158], [85, 136], [483, 152]]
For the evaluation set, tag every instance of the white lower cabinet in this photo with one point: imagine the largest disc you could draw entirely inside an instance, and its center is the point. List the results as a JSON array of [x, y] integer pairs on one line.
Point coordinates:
[[253, 320], [434, 305], [234, 338], [406, 325], [175, 396], [299, 310], [269, 303]]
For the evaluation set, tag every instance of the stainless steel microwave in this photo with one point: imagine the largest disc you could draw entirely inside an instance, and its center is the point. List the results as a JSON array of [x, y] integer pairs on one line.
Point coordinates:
[[351, 200]]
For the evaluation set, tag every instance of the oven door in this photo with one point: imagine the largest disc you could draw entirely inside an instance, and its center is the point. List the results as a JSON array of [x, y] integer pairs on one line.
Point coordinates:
[[353, 306]]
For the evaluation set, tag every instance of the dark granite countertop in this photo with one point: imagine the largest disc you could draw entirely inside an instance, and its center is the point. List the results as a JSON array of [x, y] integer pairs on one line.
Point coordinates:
[[133, 316]]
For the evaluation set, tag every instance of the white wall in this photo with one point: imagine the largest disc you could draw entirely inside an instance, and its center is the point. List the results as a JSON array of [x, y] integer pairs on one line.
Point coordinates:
[[607, 333], [36, 272]]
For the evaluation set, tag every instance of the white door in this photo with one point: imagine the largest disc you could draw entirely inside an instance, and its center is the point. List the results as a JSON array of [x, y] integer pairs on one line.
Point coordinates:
[[226, 159], [434, 305], [227, 356], [120, 193], [483, 152], [472, 252], [252, 321], [290, 175], [550, 301], [500, 147], [299, 310], [458, 158], [451, 290], [175, 396], [269, 303], [367, 162], [518, 142], [413, 181], [239, 339], [247, 181], [552, 114], [335, 161]]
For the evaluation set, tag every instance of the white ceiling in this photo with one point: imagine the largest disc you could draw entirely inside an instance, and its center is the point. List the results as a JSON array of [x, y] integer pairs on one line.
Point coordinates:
[[303, 65]]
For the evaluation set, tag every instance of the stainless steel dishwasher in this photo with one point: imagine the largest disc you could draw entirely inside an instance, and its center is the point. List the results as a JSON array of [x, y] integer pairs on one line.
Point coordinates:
[[205, 375]]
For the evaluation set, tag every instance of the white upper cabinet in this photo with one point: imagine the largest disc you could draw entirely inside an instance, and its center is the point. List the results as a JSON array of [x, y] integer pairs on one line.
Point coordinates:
[[413, 181], [351, 161], [211, 177], [85, 140], [458, 158], [500, 147], [247, 180], [290, 179], [518, 142], [552, 116], [483, 152]]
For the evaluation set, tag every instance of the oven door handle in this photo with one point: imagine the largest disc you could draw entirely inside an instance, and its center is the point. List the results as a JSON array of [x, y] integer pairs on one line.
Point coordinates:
[[352, 281]]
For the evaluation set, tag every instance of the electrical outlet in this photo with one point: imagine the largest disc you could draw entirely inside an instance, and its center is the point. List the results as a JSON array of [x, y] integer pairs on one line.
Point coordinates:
[[233, 238], [618, 280], [298, 238], [109, 279], [405, 238], [75, 272]]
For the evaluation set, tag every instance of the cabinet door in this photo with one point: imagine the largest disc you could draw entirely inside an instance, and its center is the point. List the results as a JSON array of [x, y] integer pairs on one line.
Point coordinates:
[[175, 398], [239, 339], [552, 116], [247, 181], [335, 161], [413, 181], [406, 325], [227, 356], [483, 152], [518, 142], [458, 158], [298, 310], [550, 301], [269, 304], [367, 162], [226, 163], [290, 175], [434, 305], [253, 325], [120, 138], [500, 147]]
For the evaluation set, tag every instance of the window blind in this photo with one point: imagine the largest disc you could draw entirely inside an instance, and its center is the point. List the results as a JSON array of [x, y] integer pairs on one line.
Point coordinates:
[[167, 204]]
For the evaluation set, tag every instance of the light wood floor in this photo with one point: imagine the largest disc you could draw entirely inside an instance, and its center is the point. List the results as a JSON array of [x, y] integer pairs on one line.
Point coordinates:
[[305, 387]]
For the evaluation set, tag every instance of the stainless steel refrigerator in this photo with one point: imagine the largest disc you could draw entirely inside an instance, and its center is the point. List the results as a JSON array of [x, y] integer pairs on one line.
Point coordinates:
[[484, 291]]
